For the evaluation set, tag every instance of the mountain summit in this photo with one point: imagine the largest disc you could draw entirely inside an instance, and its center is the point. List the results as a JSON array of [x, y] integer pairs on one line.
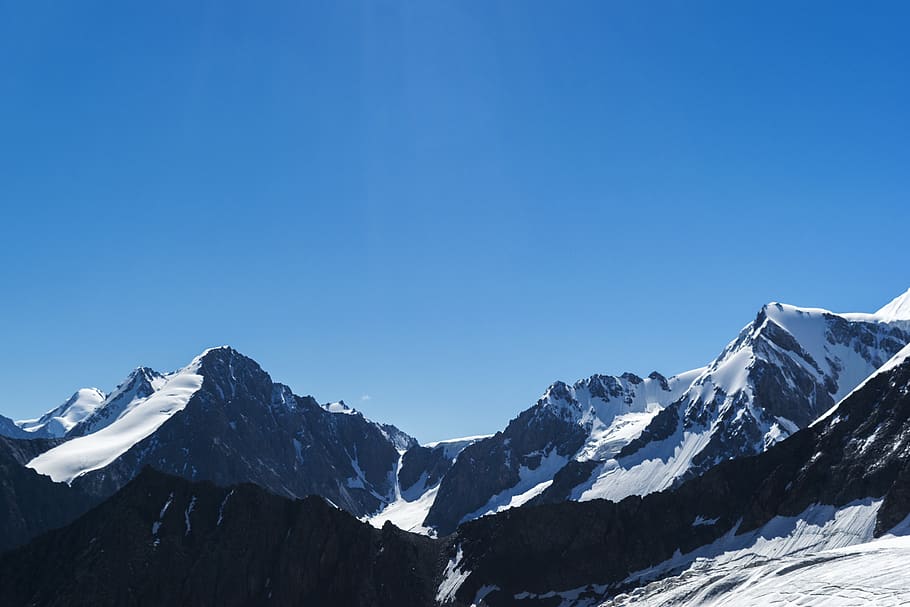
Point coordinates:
[[611, 437], [897, 309], [222, 418]]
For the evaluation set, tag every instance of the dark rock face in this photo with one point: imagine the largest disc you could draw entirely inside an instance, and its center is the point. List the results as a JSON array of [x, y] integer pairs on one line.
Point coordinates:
[[662, 427], [29, 502], [573, 474], [9, 429], [242, 427], [785, 385], [24, 450], [167, 541], [784, 369], [418, 463], [861, 451], [487, 474], [492, 465]]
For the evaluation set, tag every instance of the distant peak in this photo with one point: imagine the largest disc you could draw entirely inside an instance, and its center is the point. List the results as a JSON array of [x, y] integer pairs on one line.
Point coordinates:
[[897, 309], [217, 351], [145, 373], [217, 355]]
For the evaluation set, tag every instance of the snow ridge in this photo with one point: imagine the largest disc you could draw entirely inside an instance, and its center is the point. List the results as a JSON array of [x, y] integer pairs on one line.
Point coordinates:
[[57, 422], [897, 309], [93, 451]]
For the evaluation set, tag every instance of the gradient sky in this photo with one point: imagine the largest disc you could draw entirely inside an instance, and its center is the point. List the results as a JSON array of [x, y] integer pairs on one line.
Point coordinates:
[[432, 210]]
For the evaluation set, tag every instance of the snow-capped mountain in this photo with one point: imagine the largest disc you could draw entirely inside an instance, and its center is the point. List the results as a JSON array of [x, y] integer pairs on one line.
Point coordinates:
[[843, 481], [796, 522], [785, 369], [896, 310], [134, 390], [594, 417], [60, 420], [221, 418], [610, 437]]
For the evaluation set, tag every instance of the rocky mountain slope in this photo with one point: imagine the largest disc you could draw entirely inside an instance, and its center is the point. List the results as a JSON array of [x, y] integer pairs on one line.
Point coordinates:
[[30, 503], [842, 481], [611, 437], [223, 419], [167, 541]]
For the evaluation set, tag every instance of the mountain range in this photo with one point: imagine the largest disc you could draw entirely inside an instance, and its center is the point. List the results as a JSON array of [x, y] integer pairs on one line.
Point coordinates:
[[794, 440]]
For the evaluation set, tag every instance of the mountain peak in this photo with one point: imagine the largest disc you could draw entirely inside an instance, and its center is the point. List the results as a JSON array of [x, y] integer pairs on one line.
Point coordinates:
[[897, 309], [58, 421], [219, 352], [224, 362]]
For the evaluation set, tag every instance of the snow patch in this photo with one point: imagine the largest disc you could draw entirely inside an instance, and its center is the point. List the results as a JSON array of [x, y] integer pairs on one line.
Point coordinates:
[[186, 515], [452, 578], [897, 309], [221, 508]]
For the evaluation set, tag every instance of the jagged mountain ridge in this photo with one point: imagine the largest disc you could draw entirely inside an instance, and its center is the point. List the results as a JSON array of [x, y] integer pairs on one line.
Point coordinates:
[[596, 415], [223, 419], [57, 422], [842, 481], [784, 369], [139, 385], [600, 437]]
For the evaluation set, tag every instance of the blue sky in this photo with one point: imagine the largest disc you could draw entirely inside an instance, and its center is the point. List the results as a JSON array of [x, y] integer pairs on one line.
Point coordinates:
[[434, 209]]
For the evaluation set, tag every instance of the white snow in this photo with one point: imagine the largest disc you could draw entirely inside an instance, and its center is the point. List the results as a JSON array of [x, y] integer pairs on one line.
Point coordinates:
[[187, 513], [782, 541], [121, 400], [86, 453], [894, 362], [408, 515], [61, 419], [872, 573], [819, 527], [653, 469], [452, 578], [610, 422], [221, 508], [157, 524], [727, 380], [531, 483], [897, 309], [408, 509], [454, 446], [339, 407]]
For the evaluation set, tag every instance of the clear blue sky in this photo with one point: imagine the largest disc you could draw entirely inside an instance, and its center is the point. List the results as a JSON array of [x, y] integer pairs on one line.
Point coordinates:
[[440, 206]]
